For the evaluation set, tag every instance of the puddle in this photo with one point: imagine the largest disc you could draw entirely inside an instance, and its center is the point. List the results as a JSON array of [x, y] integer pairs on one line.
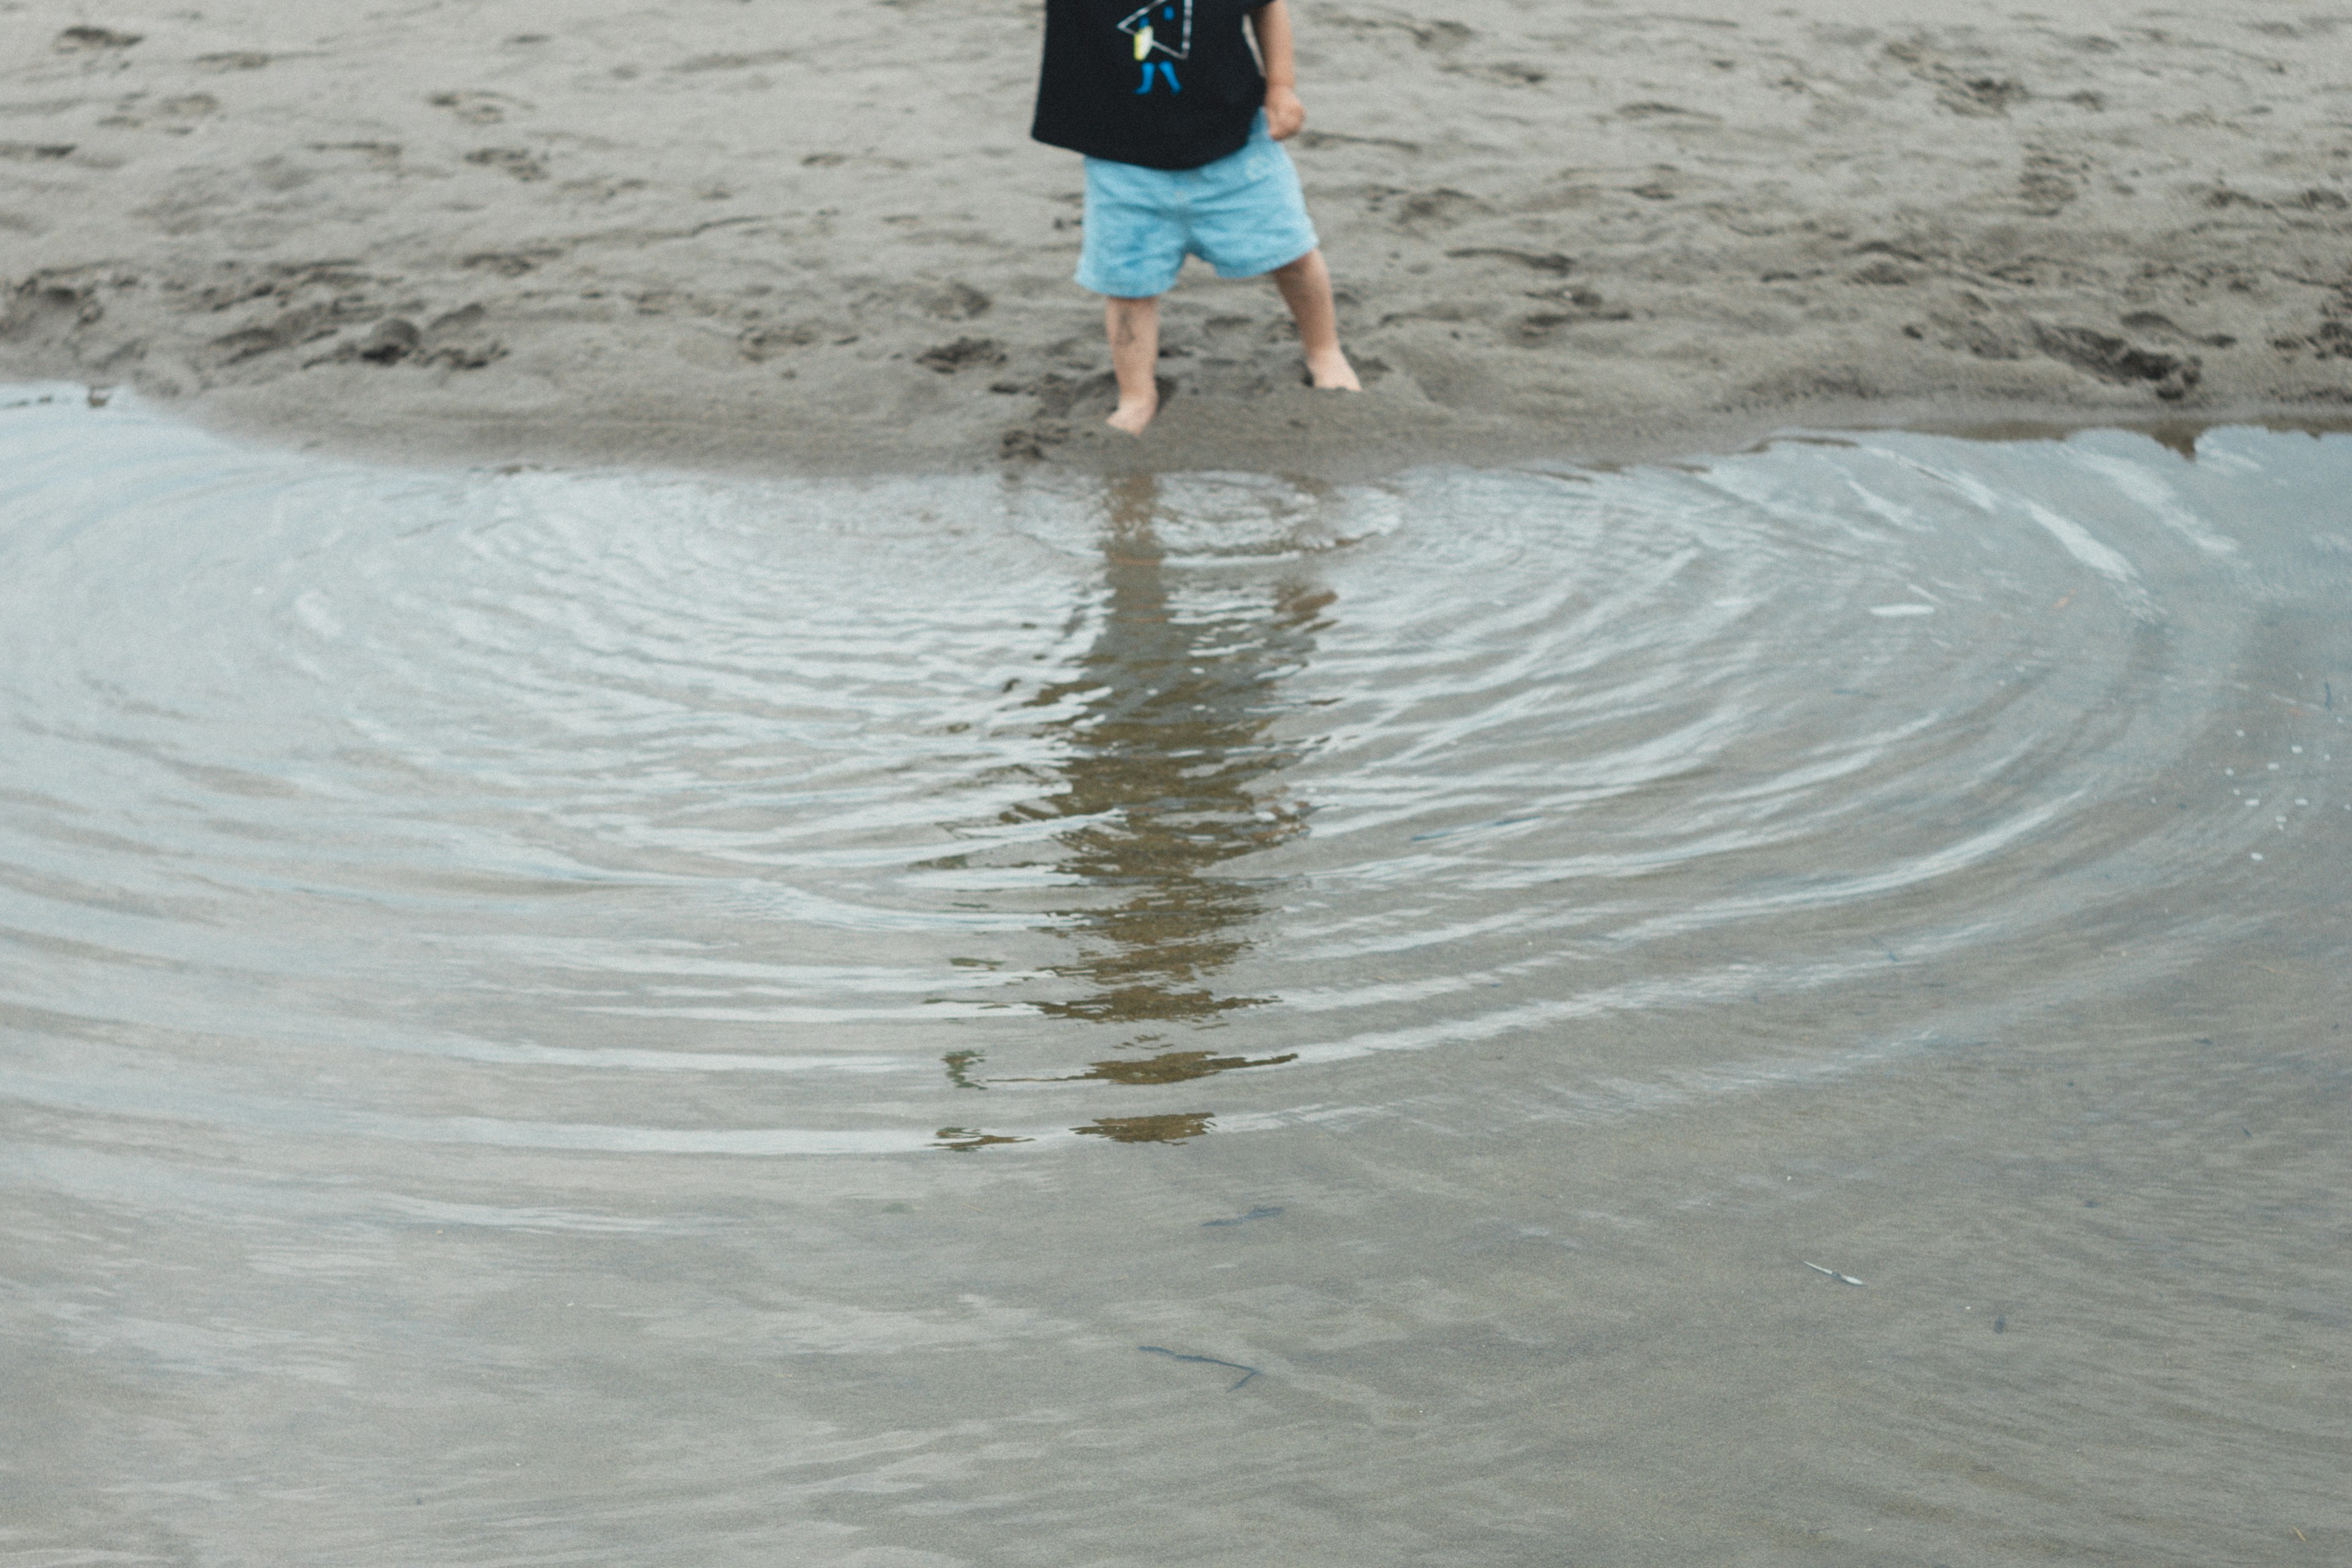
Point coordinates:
[[1488, 878]]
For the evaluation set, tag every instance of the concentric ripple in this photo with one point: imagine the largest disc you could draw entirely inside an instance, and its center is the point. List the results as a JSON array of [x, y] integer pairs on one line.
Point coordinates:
[[621, 813], [586, 1018]]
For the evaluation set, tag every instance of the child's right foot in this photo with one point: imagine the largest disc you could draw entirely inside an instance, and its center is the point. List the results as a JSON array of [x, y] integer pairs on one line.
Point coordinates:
[[1132, 416], [1332, 373]]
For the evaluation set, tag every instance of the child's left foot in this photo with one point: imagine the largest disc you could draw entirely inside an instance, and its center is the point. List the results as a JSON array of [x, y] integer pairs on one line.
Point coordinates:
[[1133, 414], [1332, 373]]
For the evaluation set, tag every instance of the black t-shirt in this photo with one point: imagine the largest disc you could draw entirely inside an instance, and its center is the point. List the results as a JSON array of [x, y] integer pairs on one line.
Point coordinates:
[[1168, 85]]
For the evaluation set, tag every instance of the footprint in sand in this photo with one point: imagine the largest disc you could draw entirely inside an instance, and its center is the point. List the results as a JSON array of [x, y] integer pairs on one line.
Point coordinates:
[[1959, 92], [287, 329], [2050, 181], [760, 345], [733, 62], [948, 358], [1442, 208], [379, 154], [449, 343], [1314, 140], [518, 161], [2117, 360], [1506, 73], [173, 116], [46, 306], [958, 301], [1654, 110], [1539, 260], [478, 108], [2161, 325], [89, 40], [1442, 37], [507, 263]]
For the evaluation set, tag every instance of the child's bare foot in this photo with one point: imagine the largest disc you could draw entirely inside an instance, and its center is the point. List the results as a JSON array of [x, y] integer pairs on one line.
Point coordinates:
[[1306, 286], [1330, 372], [1134, 326], [1133, 414]]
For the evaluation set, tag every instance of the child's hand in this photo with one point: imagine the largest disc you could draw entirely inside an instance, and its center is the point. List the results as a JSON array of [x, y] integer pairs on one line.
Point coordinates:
[[1284, 113]]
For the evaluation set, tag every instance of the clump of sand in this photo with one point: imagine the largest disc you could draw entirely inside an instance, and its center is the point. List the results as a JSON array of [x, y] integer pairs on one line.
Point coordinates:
[[818, 237]]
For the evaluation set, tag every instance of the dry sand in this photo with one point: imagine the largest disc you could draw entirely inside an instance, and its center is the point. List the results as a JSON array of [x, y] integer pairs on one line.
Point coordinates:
[[805, 236]]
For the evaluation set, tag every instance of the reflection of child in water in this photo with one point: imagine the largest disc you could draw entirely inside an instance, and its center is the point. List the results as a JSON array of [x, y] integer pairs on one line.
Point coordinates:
[[1179, 166]]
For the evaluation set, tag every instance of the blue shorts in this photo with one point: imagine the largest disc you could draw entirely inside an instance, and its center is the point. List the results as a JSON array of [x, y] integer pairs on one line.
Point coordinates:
[[1243, 215]]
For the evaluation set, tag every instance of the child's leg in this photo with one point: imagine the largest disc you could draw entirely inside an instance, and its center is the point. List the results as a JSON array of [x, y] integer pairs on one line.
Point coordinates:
[[1134, 328], [1306, 286]]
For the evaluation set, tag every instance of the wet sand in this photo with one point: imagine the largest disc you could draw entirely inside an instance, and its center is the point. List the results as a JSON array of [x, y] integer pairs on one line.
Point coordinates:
[[818, 238]]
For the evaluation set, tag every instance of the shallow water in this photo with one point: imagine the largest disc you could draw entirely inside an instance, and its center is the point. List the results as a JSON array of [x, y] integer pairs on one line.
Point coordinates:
[[599, 1017]]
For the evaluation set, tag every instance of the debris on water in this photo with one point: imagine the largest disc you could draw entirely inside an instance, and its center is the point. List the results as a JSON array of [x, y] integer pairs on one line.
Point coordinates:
[[1174, 1127], [1841, 1278], [1263, 1211], [1247, 1371], [964, 1140], [2000, 1324]]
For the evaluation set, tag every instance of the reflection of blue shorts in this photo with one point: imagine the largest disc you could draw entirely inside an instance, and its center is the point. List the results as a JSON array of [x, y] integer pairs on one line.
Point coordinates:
[[1243, 215]]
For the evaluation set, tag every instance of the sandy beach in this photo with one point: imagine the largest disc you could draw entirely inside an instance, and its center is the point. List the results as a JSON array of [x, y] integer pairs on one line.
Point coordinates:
[[793, 236], [654, 911]]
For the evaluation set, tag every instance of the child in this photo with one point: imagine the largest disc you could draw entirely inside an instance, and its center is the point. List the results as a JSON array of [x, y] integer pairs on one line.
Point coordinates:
[[1179, 125]]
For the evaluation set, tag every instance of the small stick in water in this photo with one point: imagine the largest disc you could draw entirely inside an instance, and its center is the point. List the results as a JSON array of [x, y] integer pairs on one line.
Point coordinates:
[[1248, 1371], [1841, 1278]]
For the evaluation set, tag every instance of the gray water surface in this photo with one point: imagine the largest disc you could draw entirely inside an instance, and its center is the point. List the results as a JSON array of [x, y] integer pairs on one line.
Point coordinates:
[[608, 1018]]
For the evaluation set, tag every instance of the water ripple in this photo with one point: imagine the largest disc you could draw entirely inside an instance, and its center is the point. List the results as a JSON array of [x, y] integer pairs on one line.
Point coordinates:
[[509, 809]]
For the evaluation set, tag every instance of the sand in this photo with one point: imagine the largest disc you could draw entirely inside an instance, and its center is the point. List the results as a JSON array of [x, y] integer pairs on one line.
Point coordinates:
[[816, 237]]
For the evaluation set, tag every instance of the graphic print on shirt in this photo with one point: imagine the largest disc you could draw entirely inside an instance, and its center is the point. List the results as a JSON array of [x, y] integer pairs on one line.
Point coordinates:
[[1161, 28]]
